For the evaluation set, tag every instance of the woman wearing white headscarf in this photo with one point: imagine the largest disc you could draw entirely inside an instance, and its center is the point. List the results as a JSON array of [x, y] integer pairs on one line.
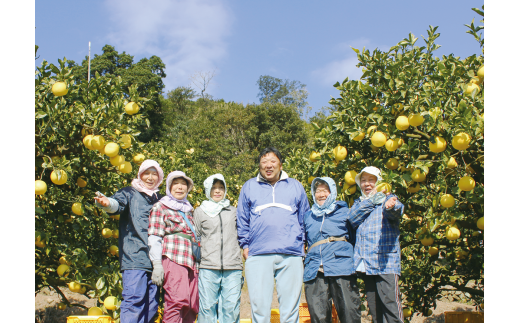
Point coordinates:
[[133, 203], [220, 275], [377, 254]]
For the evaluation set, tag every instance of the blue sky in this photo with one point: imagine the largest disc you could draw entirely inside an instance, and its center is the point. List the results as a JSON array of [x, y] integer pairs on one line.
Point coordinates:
[[308, 41]]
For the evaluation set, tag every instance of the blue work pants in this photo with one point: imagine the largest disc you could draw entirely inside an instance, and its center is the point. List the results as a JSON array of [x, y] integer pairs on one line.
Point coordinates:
[[222, 289], [140, 297]]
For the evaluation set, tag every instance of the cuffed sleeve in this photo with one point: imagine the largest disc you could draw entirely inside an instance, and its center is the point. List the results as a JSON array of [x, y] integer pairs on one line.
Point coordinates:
[[155, 246], [122, 199], [111, 208], [393, 213]]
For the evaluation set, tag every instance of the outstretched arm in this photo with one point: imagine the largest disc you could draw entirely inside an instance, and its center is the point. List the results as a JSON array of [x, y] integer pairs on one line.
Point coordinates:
[[112, 205], [359, 212], [392, 209]]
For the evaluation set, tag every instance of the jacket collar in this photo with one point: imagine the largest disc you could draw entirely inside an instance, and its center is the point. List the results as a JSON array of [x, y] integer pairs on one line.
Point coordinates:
[[260, 178]]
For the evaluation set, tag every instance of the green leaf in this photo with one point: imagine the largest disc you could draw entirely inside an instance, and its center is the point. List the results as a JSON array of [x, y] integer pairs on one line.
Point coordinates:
[[54, 69], [100, 283], [477, 10], [316, 167], [356, 50], [458, 215], [39, 210], [103, 291], [40, 115], [435, 112], [434, 224]]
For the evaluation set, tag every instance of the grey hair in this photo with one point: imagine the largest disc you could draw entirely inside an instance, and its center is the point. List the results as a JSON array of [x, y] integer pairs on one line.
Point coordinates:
[[319, 182]]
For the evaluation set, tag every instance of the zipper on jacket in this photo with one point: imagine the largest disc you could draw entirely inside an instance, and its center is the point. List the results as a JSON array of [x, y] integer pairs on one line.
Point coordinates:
[[273, 190], [321, 232], [221, 242]]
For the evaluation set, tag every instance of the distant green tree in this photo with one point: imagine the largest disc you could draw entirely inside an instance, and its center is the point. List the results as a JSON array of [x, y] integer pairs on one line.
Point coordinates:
[[228, 136], [275, 90], [279, 125], [320, 117], [178, 108], [147, 74]]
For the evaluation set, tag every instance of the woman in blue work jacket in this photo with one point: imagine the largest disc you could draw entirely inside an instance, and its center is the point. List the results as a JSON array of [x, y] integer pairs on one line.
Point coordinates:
[[329, 272]]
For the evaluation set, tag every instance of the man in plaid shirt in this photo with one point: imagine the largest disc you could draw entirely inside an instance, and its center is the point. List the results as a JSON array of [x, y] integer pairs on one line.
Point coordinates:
[[377, 254]]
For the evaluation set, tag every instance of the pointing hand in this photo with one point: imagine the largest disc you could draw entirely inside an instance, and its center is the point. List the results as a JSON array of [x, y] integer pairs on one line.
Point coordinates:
[[391, 202]]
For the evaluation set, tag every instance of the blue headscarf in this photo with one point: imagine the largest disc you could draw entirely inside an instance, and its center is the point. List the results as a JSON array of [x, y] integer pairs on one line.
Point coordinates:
[[330, 202]]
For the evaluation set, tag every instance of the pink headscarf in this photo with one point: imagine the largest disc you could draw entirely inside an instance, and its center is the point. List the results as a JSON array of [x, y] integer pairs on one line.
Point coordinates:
[[170, 201], [138, 184]]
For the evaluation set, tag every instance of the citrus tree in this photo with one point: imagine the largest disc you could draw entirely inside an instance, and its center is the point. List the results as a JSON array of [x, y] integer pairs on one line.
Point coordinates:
[[420, 119], [87, 140]]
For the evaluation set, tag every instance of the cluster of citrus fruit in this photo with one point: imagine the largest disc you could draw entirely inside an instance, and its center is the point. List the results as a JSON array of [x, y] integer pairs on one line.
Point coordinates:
[[112, 150]]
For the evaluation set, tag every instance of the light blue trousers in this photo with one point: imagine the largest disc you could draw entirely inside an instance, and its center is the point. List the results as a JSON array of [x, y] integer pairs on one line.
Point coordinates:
[[222, 288], [287, 270]]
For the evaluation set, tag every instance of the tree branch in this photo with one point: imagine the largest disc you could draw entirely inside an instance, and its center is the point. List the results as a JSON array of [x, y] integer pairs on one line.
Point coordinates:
[[61, 293], [409, 243], [78, 305], [465, 289], [422, 133]]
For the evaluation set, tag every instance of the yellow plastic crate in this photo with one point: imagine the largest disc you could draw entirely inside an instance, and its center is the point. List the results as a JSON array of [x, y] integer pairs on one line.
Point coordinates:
[[275, 315], [463, 317], [305, 316], [90, 319]]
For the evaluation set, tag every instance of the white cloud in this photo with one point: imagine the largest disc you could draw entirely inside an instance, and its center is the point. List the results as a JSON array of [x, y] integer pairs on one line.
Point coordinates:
[[189, 36], [337, 70]]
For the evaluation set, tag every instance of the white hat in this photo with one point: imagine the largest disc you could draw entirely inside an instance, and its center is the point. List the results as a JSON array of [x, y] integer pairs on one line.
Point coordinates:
[[370, 170]]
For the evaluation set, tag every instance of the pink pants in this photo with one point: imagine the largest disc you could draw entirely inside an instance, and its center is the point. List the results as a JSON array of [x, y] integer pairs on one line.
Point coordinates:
[[181, 293]]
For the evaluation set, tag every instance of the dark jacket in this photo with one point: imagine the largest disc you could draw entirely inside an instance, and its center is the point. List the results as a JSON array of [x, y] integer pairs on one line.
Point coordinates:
[[134, 210]]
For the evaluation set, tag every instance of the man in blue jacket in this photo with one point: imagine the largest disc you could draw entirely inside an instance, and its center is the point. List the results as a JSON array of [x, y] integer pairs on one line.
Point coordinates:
[[270, 229]]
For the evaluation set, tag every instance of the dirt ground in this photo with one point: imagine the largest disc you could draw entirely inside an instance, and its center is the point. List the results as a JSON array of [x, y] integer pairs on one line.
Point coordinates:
[[46, 307], [436, 317]]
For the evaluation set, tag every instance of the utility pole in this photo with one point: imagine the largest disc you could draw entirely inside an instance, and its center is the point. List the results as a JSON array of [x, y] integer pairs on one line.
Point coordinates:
[[88, 62]]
